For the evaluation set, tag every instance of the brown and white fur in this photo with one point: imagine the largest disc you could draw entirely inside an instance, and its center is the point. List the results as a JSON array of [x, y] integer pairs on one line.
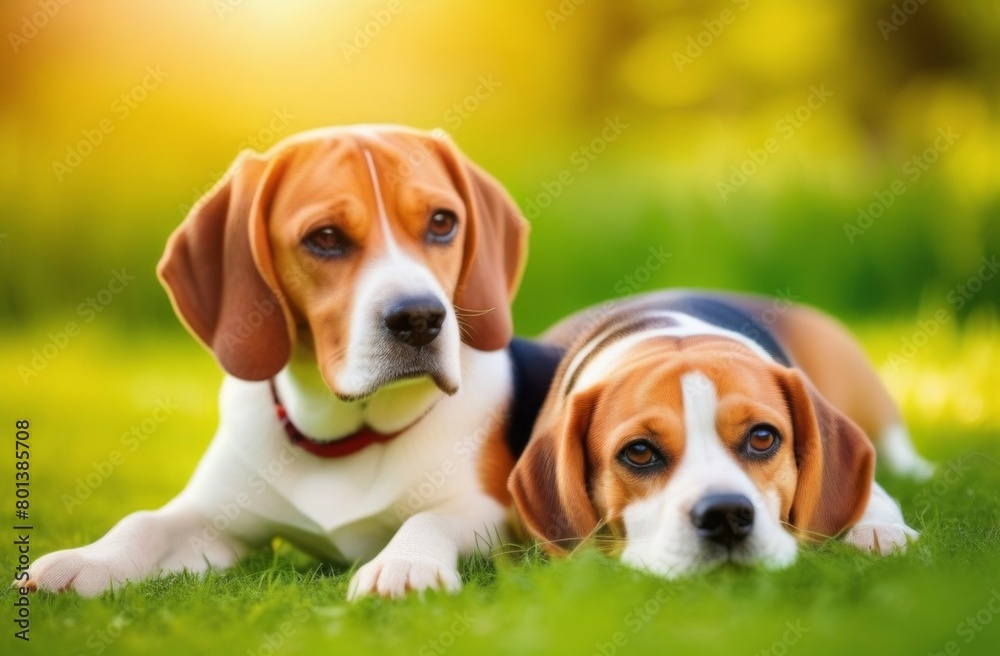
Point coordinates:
[[684, 442], [367, 271]]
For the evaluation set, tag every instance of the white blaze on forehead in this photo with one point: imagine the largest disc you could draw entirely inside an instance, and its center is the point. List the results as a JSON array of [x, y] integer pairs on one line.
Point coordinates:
[[610, 356], [380, 204], [707, 462], [700, 406]]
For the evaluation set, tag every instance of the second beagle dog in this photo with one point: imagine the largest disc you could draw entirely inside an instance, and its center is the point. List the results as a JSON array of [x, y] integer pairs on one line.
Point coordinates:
[[688, 432]]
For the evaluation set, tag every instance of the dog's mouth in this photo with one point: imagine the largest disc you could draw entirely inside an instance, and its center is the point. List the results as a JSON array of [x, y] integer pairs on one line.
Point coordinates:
[[700, 560], [752, 553], [713, 555], [397, 380], [358, 372]]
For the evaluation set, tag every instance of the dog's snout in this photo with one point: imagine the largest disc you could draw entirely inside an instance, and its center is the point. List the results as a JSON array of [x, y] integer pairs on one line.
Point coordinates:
[[415, 321], [723, 518]]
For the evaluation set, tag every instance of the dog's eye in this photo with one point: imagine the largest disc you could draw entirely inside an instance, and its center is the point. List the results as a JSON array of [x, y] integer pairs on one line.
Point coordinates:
[[442, 228], [640, 454], [762, 440], [327, 242]]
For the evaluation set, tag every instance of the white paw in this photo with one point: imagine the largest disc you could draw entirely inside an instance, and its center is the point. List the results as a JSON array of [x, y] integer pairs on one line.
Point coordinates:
[[394, 577], [880, 538], [84, 570]]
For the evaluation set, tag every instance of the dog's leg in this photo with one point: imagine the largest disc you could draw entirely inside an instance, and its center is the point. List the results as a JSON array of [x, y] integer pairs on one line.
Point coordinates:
[[896, 450], [225, 509], [881, 529], [141, 545], [423, 554], [210, 523]]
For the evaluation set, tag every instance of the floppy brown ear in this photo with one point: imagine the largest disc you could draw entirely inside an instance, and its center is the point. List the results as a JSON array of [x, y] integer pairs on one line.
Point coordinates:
[[835, 459], [549, 483], [214, 280], [496, 240]]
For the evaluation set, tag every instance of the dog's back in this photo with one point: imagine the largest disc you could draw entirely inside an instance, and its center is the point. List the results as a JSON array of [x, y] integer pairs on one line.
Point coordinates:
[[794, 334]]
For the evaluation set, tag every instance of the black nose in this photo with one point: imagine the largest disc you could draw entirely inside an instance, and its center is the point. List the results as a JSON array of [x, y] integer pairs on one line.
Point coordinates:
[[723, 518], [415, 321]]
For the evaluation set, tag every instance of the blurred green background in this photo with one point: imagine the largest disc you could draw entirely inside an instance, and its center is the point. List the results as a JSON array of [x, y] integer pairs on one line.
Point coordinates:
[[234, 72]]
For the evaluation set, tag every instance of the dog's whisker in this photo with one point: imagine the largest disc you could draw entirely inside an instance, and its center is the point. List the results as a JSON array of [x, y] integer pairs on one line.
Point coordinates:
[[465, 329], [814, 534], [461, 312]]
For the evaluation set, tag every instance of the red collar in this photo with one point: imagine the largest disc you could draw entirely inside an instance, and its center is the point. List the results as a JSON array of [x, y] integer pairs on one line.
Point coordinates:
[[338, 448]]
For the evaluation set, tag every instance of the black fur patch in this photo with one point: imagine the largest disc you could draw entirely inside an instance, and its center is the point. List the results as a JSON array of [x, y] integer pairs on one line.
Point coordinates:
[[534, 366]]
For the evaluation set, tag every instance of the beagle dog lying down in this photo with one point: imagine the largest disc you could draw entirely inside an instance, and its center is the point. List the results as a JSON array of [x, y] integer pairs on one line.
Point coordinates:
[[694, 434], [355, 284]]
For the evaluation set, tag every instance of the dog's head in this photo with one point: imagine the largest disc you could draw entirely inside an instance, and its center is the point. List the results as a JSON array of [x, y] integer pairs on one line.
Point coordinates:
[[684, 452], [380, 249]]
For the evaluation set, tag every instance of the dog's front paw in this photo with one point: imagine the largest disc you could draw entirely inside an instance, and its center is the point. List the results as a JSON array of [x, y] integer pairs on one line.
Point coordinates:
[[87, 572], [880, 537], [393, 577]]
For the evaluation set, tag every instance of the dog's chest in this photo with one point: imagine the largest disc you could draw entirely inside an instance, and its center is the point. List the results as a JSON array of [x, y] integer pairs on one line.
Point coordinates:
[[434, 461], [350, 507]]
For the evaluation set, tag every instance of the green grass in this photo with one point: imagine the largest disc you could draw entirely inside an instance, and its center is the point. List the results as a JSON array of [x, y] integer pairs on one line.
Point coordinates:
[[515, 600]]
